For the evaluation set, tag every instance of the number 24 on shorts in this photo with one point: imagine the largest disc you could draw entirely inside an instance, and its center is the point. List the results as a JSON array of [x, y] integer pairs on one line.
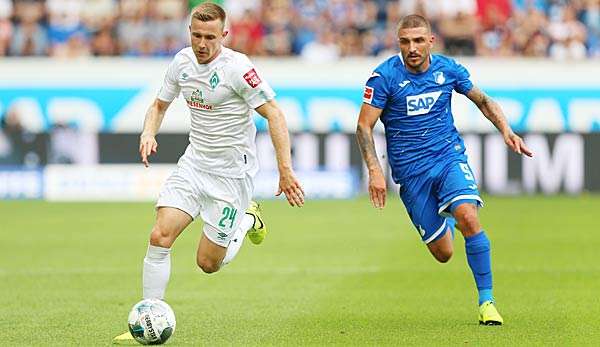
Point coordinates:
[[229, 214]]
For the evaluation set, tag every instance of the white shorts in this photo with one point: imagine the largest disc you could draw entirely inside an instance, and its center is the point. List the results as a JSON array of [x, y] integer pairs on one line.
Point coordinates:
[[220, 201]]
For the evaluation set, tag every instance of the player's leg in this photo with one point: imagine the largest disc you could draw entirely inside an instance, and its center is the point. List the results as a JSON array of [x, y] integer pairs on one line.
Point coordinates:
[[421, 205], [459, 196], [225, 227], [170, 222], [477, 247], [177, 206], [465, 212], [253, 226], [442, 248], [211, 255]]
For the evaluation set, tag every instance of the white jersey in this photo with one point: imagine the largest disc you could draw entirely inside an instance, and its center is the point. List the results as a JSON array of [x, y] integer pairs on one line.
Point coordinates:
[[221, 96]]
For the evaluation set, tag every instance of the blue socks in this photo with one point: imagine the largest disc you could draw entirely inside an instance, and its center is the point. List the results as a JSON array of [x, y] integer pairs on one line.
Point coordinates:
[[451, 223], [478, 257], [485, 295]]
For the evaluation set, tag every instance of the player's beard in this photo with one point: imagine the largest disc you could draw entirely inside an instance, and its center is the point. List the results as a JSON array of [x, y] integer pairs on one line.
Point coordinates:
[[416, 66]]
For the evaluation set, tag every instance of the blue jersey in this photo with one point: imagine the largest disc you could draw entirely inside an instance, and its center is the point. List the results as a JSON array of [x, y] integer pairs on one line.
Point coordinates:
[[417, 115]]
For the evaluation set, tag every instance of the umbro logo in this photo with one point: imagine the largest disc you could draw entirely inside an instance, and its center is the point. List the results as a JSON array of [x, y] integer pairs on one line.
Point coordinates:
[[403, 83]]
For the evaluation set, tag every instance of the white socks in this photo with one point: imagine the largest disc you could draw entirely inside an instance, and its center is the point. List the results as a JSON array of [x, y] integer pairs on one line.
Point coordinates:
[[157, 269], [157, 263], [238, 238]]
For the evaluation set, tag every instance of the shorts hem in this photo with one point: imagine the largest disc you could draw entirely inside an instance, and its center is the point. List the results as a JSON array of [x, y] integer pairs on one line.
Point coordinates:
[[436, 233], [460, 197], [212, 239], [177, 206]]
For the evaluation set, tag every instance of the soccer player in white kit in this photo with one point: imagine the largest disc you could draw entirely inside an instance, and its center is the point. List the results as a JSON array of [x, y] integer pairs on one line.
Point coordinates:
[[214, 176]]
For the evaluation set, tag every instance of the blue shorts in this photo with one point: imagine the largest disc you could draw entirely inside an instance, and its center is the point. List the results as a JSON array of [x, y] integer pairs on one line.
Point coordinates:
[[430, 198]]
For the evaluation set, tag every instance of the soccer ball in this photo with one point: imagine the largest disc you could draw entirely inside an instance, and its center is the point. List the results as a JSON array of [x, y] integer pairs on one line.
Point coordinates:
[[151, 322]]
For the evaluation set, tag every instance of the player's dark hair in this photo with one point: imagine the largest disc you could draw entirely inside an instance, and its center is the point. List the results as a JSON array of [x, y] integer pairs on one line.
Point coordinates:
[[209, 11], [413, 21]]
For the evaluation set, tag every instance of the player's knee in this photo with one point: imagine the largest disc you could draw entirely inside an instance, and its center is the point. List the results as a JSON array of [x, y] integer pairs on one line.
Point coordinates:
[[443, 256], [207, 265], [161, 237], [468, 223]]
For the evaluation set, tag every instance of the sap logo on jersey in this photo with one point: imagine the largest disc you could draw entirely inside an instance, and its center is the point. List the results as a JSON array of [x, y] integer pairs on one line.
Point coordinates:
[[422, 103]]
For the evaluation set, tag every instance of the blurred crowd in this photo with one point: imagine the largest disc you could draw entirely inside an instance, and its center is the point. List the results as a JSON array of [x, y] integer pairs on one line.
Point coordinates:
[[317, 30]]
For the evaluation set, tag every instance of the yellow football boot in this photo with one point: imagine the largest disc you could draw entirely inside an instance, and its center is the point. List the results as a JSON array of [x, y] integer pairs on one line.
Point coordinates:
[[488, 314], [124, 339], [258, 232]]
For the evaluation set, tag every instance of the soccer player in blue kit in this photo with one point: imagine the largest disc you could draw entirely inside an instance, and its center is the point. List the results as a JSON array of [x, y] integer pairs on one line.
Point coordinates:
[[410, 93]]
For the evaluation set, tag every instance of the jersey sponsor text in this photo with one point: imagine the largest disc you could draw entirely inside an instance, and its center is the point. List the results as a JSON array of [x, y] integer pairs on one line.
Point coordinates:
[[199, 106], [422, 103]]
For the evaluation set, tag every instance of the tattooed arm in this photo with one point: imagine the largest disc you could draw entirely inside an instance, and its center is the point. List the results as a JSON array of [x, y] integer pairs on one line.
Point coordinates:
[[364, 134], [492, 111]]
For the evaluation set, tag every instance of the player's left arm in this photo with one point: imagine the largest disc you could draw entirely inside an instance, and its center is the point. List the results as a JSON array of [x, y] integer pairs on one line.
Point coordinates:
[[288, 184], [492, 111]]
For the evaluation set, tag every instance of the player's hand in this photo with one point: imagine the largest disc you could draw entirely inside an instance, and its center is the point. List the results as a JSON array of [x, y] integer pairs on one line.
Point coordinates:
[[515, 142], [289, 185], [148, 146], [377, 189]]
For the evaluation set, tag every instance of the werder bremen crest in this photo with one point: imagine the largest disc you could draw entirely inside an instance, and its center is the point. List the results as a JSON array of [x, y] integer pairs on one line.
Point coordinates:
[[214, 80], [197, 96]]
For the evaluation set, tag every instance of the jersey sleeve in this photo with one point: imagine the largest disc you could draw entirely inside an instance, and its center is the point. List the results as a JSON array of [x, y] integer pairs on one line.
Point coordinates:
[[249, 84], [463, 82], [376, 91], [170, 88]]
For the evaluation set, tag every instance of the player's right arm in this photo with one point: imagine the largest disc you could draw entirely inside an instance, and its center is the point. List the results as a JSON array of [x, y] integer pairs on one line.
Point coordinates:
[[367, 118], [154, 117], [156, 112]]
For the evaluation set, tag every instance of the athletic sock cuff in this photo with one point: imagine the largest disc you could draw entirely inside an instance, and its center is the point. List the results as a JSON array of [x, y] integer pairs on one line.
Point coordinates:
[[157, 252], [477, 243]]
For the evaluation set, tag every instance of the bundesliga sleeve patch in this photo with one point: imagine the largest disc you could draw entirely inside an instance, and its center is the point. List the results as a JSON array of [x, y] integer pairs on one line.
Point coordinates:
[[252, 78], [368, 95]]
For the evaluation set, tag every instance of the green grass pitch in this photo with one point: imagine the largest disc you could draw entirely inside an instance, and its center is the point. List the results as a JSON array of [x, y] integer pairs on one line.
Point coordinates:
[[332, 273]]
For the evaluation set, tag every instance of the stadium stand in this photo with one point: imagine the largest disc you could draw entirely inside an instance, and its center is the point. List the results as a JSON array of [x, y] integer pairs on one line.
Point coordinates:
[[316, 30]]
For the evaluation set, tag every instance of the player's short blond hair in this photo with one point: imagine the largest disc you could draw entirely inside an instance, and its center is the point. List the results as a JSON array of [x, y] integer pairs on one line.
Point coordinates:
[[209, 11]]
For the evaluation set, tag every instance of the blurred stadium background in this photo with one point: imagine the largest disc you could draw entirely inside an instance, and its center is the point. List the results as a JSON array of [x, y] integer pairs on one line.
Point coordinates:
[[83, 72], [76, 78]]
